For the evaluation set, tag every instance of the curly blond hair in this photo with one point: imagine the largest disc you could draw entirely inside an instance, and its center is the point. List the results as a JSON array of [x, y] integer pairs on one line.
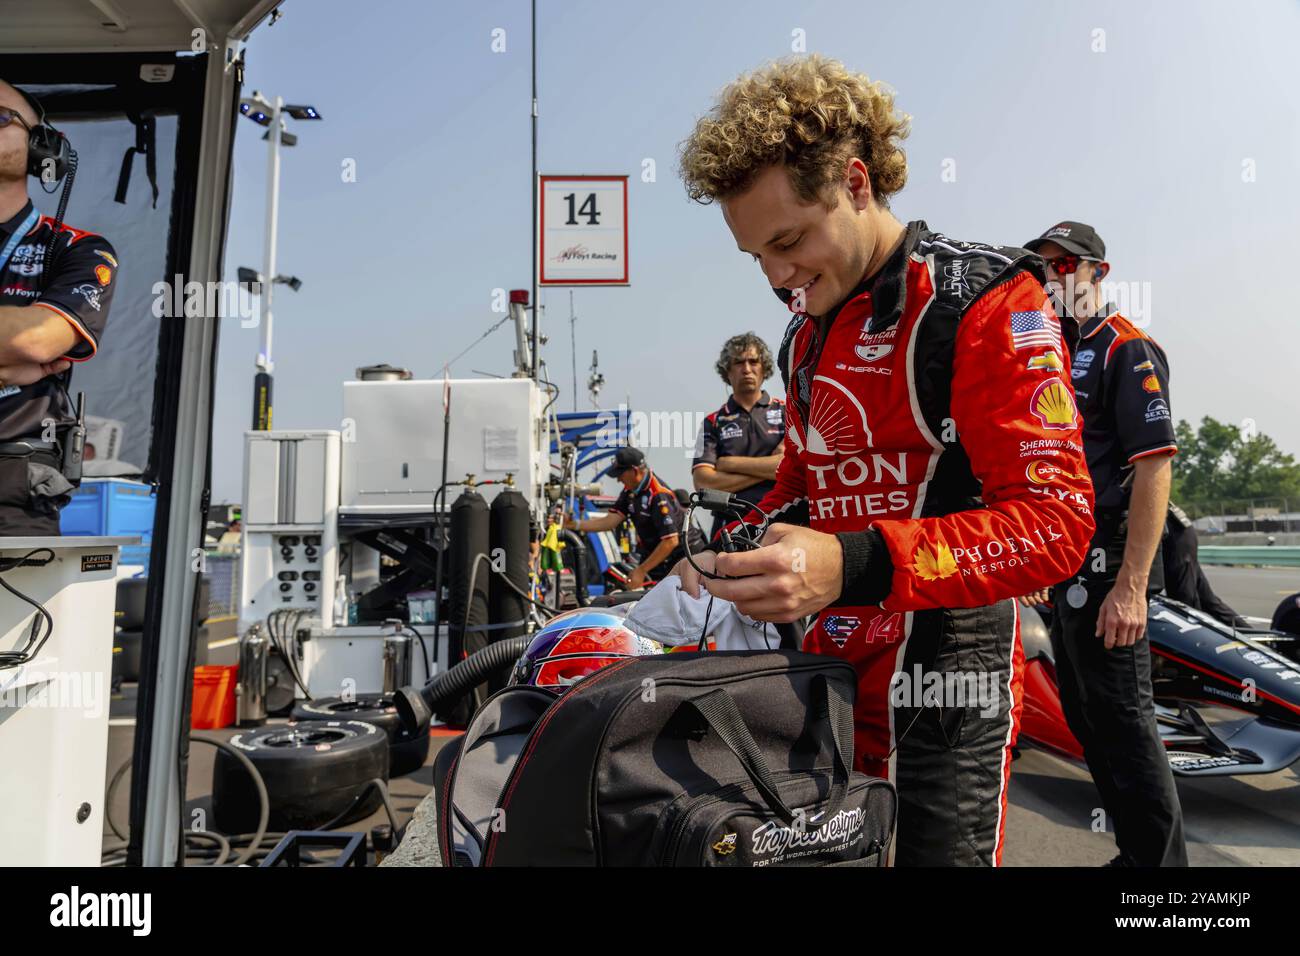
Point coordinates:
[[810, 114]]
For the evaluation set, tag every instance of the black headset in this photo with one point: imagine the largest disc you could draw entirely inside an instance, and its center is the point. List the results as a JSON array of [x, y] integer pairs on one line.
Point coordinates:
[[49, 154]]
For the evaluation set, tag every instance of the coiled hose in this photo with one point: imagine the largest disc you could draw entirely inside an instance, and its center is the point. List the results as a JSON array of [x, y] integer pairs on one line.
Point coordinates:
[[458, 679], [251, 847]]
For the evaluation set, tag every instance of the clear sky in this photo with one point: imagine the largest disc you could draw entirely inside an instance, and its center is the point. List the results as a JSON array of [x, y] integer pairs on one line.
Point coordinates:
[[1170, 126]]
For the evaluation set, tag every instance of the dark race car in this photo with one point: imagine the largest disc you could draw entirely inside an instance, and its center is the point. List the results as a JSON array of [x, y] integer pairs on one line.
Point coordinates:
[[1196, 662]]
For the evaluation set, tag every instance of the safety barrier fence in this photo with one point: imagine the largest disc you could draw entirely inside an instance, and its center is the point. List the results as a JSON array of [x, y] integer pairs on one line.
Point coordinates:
[[1277, 557], [222, 572]]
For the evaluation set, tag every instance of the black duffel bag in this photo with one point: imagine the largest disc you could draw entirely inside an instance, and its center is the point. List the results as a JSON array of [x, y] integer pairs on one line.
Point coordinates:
[[720, 759]]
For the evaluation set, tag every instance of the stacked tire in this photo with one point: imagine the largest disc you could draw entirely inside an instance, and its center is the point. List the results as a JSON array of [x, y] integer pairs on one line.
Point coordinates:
[[316, 773], [128, 636], [407, 750]]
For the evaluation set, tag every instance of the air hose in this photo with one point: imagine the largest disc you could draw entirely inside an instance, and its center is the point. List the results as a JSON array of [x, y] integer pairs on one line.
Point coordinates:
[[416, 705], [246, 847], [579, 564]]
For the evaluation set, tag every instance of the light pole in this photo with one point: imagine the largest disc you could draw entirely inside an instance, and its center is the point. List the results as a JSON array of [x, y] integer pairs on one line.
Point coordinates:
[[271, 115]]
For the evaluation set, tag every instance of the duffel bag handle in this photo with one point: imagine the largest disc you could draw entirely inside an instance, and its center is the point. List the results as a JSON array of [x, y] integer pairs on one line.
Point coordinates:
[[724, 717]]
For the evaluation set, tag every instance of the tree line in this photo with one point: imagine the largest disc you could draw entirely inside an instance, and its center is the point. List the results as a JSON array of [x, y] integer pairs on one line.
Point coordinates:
[[1219, 462]]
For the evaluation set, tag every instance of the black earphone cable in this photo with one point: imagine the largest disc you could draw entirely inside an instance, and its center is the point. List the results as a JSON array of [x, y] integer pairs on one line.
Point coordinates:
[[730, 543], [34, 643]]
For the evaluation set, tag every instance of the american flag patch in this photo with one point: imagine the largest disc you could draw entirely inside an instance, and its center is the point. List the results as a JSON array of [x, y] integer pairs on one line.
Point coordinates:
[[1034, 330], [840, 627]]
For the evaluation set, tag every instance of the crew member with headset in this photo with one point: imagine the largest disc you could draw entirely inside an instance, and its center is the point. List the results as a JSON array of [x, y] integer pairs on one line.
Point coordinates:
[[741, 444], [1099, 616], [655, 514], [56, 285], [1185, 579]]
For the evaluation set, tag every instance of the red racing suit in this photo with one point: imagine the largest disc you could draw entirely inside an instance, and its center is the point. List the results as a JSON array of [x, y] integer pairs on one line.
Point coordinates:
[[931, 426]]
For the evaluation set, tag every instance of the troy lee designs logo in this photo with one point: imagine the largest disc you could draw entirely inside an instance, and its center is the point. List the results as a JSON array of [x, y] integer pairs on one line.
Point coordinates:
[[775, 840]]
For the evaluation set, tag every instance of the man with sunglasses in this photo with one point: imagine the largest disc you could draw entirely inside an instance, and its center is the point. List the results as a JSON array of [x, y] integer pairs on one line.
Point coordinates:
[[56, 285], [1103, 662]]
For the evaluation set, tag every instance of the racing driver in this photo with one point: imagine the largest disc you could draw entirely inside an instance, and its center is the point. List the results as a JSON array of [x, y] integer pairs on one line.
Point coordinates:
[[933, 443]]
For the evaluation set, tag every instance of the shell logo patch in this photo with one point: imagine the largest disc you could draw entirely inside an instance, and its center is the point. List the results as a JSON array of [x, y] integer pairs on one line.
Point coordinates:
[[104, 274], [1053, 405], [1151, 384]]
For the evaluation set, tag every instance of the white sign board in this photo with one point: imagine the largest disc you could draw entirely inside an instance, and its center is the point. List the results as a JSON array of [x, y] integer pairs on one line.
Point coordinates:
[[583, 230]]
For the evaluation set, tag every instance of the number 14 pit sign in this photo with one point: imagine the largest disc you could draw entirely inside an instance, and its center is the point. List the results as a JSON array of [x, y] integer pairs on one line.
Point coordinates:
[[583, 230]]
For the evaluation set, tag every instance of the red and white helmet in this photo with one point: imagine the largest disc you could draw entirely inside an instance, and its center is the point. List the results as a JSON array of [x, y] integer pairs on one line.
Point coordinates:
[[577, 643]]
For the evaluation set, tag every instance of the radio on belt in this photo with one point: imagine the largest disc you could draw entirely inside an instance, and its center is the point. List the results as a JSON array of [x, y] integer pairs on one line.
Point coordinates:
[[74, 444]]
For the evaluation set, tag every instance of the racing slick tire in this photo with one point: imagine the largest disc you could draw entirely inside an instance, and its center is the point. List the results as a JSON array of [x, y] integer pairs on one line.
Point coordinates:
[[407, 750], [128, 612], [126, 653], [313, 772]]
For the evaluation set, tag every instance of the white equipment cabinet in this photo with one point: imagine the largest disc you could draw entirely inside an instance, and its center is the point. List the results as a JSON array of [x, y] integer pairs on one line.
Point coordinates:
[[382, 468], [54, 709], [347, 661], [290, 524], [392, 448]]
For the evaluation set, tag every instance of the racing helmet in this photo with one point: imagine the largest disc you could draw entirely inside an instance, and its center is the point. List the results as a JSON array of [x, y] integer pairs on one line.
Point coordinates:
[[577, 643]]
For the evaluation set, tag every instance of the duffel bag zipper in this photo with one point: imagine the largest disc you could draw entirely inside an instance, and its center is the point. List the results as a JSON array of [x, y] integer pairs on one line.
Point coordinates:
[[669, 856]]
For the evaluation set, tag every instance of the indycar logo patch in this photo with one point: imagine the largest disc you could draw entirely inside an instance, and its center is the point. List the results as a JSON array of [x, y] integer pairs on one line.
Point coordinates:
[[872, 353]]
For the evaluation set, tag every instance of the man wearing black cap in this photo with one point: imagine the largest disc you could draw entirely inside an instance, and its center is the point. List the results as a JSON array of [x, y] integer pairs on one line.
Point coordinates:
[[654, 512], [1103, 662]]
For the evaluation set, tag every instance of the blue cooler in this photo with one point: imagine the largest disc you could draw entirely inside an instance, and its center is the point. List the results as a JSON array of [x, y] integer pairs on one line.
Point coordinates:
[[113, 506]]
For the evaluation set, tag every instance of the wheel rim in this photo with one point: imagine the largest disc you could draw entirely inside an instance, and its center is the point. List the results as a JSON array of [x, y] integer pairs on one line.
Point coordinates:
[[305, 736]]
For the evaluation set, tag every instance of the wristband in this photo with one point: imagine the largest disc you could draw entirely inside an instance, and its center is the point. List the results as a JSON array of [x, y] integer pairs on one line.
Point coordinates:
[[868, 568]]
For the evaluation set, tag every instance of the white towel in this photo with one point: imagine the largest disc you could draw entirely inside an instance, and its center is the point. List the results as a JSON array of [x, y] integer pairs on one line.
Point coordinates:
[[669, 615]]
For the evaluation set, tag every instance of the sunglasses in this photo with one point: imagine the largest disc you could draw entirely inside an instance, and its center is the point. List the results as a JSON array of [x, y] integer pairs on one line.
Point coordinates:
[[1068, 265], [8, 116]]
